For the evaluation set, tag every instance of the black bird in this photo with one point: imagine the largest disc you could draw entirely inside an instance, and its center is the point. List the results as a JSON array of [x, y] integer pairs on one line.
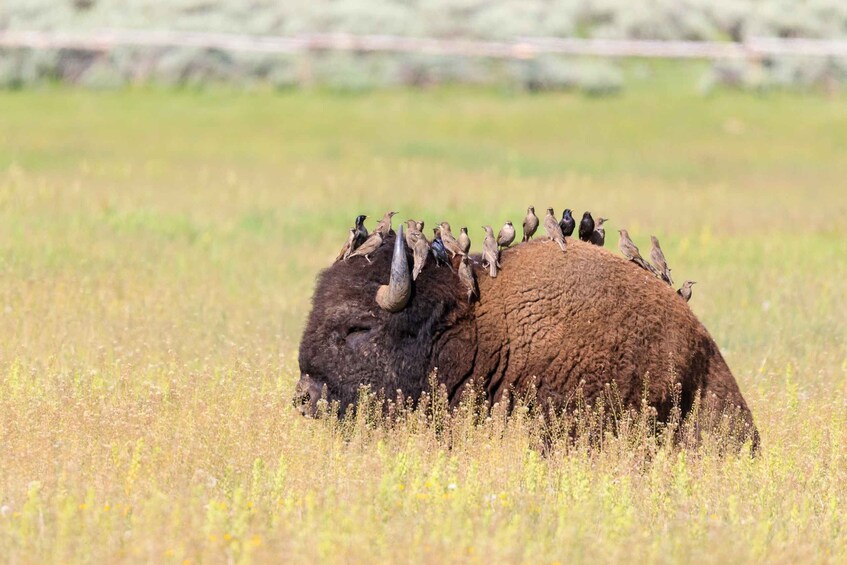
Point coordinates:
[[586, 227], [567, 223], [438, 249], [361, 231]]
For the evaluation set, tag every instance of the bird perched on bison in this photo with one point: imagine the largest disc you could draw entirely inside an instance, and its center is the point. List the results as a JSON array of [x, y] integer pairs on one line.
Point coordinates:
[[530, 224], [554, 232], [450, 243], [549, 332], [685, 290], [506, 235], [370, 245], [361, 231], [357, 237], [586, 227], [348, 245], [567, 223], [439, 252], [412, 232], [490, 252], [464, 241], [599, 235], [467, 277], [420, 251], [383, 228], [658, 260], [630, 251]]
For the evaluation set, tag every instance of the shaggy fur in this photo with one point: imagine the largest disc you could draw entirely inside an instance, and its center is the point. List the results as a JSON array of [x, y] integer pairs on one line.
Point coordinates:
[[582, 319]]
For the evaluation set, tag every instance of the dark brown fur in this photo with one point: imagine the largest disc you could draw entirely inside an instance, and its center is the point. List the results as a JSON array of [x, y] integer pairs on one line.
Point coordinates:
[[557, 321]]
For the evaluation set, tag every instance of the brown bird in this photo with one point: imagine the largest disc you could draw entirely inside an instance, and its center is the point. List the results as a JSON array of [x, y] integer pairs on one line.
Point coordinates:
[[348, 246], [420, 250], [412, 232], [368, 247], [490, 252], [450, 243], [506, 235], [530, 224], [599, 235], [658, 260], [384, 225], [464, 241], [630, 251], [685, 291], [554, 232], [467, 277]]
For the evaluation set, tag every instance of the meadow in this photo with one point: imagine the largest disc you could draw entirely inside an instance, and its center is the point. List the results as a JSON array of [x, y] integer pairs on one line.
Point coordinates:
[[158, 250]]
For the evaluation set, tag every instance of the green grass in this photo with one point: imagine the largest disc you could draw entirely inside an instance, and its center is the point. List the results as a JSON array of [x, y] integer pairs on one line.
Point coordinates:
[[158, 251]]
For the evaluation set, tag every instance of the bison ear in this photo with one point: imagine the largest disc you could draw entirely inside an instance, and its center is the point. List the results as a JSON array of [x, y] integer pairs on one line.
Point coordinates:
[[394, 296]]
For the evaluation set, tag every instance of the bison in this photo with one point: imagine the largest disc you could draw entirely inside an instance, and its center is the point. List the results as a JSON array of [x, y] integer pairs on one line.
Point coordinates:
[[551, 322]]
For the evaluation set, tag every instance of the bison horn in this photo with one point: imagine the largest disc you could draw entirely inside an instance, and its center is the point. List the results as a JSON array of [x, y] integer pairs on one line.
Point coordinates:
[[394, 295]]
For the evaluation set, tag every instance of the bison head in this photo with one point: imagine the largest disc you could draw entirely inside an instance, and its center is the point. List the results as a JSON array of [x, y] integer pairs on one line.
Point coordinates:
[[370, 327]]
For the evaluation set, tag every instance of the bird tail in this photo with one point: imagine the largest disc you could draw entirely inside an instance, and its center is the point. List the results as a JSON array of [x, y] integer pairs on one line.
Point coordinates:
[[562, 244], [645, 265], [492, 269]]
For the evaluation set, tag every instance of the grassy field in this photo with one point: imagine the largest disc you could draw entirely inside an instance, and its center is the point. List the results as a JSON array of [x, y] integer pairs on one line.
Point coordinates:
[[157, 255]]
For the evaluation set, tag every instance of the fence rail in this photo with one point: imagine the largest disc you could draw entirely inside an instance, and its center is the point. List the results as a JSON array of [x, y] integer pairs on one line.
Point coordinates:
[[519, 48]]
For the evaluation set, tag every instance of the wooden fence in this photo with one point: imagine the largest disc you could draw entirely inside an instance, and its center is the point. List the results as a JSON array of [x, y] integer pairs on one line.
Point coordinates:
[[519, 48]]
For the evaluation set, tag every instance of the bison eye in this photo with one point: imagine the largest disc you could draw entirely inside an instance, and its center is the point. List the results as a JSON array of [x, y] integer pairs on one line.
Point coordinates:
[[356, 334]]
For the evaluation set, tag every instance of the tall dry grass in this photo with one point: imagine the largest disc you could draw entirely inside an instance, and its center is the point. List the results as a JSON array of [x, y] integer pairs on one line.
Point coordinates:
[[157, 254]]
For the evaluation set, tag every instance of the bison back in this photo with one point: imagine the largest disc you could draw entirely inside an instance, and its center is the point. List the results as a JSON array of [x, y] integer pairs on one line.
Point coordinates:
[[586, 318]]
